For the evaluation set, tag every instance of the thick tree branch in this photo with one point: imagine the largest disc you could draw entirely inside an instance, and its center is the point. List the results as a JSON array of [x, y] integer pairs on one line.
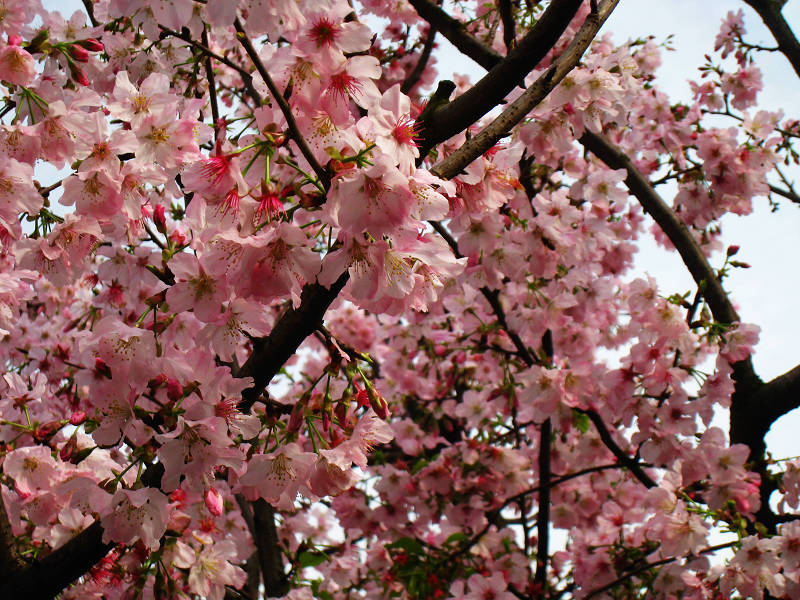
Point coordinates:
[[770, 13], [265, 536], [517, 110], [505, 74], [779, 396], [45, 578], [9, 559], [271, 352], [755, 405], [680, 236], [456, 33], [543, 518]]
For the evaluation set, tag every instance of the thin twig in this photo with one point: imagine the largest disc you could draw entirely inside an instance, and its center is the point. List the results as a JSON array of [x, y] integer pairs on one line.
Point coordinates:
[[277, 96], [212, 89]]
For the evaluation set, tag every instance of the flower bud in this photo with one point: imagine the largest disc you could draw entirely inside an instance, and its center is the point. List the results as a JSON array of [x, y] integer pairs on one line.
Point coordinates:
[[160, 218], [377, 402], [78, 53], [78, 75], [174, 389], [213, 500], [296, 418], [732, 250], [77, 417], [91, 44], [68, 449], [47, 430]]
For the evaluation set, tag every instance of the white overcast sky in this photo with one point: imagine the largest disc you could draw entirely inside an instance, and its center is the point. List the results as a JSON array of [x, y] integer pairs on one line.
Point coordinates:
[[767, 293]]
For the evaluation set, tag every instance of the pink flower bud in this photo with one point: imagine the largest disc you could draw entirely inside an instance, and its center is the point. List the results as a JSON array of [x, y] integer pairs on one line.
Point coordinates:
[[174, 389], [68, 449], [78, 53], [732, 250], [14, 40], [77, 417], [213, 500], [378, 402], [296, 418], [91, 44], [78, 75], [160, 219], [178, 238]]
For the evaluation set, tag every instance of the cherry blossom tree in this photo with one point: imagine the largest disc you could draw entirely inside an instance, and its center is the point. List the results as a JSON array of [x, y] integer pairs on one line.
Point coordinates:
[[279, 323]]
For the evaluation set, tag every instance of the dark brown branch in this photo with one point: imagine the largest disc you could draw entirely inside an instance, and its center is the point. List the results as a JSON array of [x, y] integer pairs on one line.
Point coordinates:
[[657, 563], [277, 96], [296, 324], [543, 518], [89, 6], [690, 252], [545, 477], [786, 194], [564, 478], [265, 537], [770, 13], [212, 89], [247, 78], [9, 559], [605, 435], [505, 73], [506, 11], [778, 397], [419, 68], [455, 32], [45, 578], [493, 298], [517, 110]]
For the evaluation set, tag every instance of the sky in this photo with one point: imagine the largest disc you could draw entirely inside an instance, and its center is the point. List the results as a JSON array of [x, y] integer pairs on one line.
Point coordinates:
[[767, 293]]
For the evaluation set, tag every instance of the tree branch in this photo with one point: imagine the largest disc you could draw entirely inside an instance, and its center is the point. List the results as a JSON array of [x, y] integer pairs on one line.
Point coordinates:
[[680, 236], [517, 110], [9, 559], [505, 73], [45, 578], [543, 518], [212, 90], [416, 73], [770, 13], [277, 96], [506, 11], [89, 6], [605, 435], [247, 78], [265, 536], [779, 396], [454, 31], [295, 325]]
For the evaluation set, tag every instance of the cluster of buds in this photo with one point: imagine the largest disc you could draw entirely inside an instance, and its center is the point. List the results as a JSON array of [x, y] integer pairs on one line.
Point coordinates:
[[74, 52]]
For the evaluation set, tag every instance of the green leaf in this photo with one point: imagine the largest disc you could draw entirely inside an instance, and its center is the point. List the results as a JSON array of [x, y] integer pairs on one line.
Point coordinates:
[[311, 559], [456, 538], [582, 421], [410, 545]]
